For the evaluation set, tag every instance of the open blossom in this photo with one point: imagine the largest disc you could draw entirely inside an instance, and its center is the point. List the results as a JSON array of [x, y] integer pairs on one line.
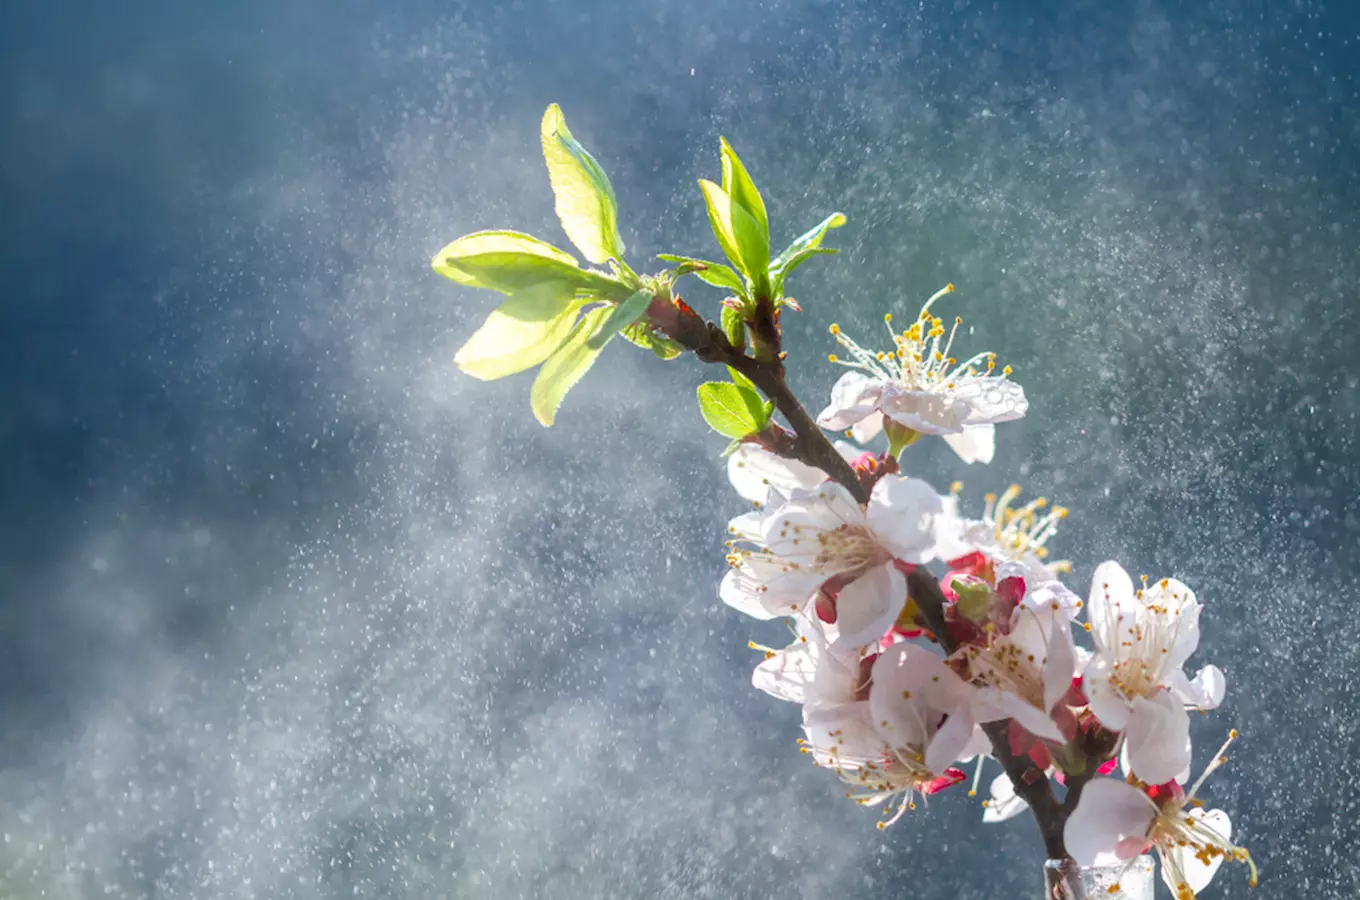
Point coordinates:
[[755, 471], [1009, 542], [1134, 681], [809, 672], [821, 546], [899, 744], [1024, 672], [1114, 818], [918, 385]]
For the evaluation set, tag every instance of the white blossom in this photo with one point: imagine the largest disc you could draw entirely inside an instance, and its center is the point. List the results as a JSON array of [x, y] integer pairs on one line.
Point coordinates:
[[1114, 817], [821, 542], [1134, 681], [918, 385], [899, 744]]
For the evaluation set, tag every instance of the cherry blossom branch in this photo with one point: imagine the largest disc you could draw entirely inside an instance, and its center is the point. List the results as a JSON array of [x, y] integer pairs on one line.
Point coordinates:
[[806, 442], [1030, 782]]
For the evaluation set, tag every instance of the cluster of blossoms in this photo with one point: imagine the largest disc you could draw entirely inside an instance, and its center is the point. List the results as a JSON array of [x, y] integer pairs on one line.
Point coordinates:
[[892, 706]]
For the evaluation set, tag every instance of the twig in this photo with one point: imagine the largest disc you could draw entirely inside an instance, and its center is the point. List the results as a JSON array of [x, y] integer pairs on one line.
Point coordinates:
[[807, 443]]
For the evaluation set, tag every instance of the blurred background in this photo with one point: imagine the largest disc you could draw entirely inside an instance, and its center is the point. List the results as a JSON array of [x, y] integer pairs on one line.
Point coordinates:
[[289, 609]]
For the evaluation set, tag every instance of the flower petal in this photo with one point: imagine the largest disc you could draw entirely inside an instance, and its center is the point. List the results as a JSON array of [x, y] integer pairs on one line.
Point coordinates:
[[1109, 814], [1105, 699], [950, 742], [868, 606], [753, 470], [1111, 599], [1177, 604], [899, 701], [853, 397], [975, 444], [990, 399], [1158, 738], [867, 428], [1005, 803], [1205, 691], [903, 514], [1060, 664], [1198, 874]]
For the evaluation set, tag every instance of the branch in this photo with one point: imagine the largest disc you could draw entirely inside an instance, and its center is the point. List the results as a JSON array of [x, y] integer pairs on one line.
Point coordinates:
[[1030, 782], [808, 443]]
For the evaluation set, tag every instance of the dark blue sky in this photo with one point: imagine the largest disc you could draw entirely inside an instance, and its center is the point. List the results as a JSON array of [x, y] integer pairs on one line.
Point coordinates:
[[290, 609]]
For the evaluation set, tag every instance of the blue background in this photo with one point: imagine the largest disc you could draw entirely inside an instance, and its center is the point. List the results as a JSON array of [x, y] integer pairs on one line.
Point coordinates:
[[290, 609]]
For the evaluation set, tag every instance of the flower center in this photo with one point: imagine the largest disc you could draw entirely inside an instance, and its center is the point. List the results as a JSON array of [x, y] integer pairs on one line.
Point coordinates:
[[898, 773], [919, 360], [1025, 529]]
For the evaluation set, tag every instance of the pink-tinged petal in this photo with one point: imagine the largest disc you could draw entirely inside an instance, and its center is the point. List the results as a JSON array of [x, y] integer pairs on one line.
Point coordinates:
[[1004, 803], [950, 742], [753, 471], [903, 514], [1107, 702], [868, 606], [1061, 662], [1158, 738], [1110, 817], [903, 677], [853, 397], [1197, 874], [976, 444], [1033, 719], [1111, 599], [867, 428], [950, 778]]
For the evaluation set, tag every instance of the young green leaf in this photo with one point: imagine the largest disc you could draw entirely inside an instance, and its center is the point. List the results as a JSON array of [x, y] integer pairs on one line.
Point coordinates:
[[739, 235], [641, 335], [812, 238], [566, 366], [585, 198], [623, 315], [731, 410], [741, 188], [713, 273], [521, 333], [504, 261], [734, 326], [778, 276], [741, 380]]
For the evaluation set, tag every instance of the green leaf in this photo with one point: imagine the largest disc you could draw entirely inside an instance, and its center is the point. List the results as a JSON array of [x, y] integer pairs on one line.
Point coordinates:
[[510, 261], [739, 235], [777, 277], [585, 198], [812, 238], [623, 315], [741, 380], [642, 335], [741, 188], [734, 326], [504, 261], [731, 410], [732, 447], [715, 274], [566, 366], [521, 333]]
